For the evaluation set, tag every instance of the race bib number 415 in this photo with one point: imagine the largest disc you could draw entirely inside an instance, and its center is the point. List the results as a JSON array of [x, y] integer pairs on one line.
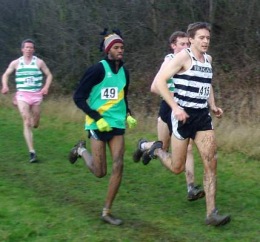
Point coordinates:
[[109, 93], [204, 91]]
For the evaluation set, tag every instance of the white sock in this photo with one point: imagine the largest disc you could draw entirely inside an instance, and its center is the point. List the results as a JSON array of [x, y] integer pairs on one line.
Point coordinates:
[[81, 150], [190, 186], [105, 211], [143, 146]]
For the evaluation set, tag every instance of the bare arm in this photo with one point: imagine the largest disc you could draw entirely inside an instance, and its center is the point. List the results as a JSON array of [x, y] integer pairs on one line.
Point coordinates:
[[211, 101], [10, 69], [179, 63], [153, 86], [47, 73]]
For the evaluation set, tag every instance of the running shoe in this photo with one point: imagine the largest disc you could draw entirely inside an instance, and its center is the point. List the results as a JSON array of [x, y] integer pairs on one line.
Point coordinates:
[[149, 154], [109, 218], [138, 153], [195, 193], [216, 219], [73, 155], [33, 157]]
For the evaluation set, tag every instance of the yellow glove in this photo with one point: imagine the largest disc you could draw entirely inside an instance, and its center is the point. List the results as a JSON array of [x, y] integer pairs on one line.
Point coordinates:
[[103, 125], [131, 121]]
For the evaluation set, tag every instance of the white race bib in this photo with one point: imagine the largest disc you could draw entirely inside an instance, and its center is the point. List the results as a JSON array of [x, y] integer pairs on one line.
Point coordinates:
[[29, 81], [204, 91], [109, 93]]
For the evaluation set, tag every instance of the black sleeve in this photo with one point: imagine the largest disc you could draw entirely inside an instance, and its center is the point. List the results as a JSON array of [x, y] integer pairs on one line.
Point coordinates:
[[92, 77], [126, 90]]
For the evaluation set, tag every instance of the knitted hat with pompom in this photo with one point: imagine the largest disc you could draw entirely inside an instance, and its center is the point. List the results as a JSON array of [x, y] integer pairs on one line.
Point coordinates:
[[110, 40]]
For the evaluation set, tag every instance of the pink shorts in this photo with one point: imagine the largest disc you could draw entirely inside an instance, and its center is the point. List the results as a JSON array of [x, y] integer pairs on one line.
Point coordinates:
[[31, 98]]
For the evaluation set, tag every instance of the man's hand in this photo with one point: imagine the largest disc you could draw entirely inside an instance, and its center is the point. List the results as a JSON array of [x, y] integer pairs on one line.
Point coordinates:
[[180, 114], [103, 125], [4, 90], [44, 91], [217, 111], [132, 122]]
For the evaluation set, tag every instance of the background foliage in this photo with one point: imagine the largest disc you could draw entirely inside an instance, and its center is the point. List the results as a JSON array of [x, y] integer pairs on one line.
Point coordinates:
[[53, 201], [67, 34]]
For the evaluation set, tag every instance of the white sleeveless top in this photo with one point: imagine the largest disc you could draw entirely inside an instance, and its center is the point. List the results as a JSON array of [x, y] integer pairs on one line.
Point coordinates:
[[192, 87]]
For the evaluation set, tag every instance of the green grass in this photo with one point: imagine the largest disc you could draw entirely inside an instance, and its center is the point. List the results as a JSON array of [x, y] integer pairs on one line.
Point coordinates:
[[53, 201]]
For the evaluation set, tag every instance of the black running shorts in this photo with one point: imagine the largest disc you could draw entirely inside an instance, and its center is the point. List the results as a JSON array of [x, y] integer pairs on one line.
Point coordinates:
[[105, 136], [165, 114], [199, 120]]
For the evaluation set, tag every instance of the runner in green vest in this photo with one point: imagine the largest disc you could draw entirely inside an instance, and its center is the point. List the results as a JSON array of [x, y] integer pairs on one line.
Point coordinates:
[[102, 96]]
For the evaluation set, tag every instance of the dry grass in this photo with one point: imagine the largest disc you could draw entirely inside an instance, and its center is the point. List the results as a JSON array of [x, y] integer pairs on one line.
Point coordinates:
[[63, 108], [231, 136], [244, 138]]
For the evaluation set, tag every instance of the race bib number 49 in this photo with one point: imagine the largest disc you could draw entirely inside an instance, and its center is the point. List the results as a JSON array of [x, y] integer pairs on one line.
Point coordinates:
[[109, 93]]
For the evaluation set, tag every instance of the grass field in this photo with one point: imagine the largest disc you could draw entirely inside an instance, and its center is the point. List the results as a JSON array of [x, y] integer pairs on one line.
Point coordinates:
[[54, 201]]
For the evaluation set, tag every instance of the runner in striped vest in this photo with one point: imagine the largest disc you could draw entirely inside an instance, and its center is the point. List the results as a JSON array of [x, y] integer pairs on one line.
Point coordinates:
[[177, 42], [28, 77], [29, 71], [193, 96]]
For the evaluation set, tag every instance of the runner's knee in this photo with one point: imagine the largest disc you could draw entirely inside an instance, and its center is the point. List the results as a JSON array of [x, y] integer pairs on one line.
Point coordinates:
[[178, 166], [118, 166], [179, 169], [100, 173]]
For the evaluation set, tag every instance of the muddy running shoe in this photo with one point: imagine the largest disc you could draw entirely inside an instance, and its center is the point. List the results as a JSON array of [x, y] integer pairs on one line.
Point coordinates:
[[73, 155], [33, 157], [146, 158], [149, 154], [138, 153], [215, 219], [195, 193], [109, 218]]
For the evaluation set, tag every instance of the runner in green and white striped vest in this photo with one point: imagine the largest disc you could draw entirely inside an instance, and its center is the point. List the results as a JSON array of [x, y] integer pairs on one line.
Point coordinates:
[[29, 77]]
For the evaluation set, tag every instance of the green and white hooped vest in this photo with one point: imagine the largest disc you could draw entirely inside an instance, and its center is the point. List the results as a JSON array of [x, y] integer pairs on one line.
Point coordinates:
[[28, 77], [170, 82], [107, 97]]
